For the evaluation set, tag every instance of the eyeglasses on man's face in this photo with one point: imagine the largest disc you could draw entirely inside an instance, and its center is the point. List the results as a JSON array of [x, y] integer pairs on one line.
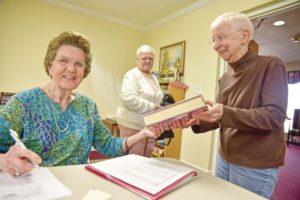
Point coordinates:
[[65, 62], [222, 37], [146, 58]]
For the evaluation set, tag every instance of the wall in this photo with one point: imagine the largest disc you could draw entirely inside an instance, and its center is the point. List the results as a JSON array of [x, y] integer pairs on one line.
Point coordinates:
[[293, 66], [28, 26], [201, 66]]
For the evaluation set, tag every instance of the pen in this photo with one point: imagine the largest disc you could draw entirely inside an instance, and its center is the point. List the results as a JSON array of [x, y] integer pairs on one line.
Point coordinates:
[[20, 143]]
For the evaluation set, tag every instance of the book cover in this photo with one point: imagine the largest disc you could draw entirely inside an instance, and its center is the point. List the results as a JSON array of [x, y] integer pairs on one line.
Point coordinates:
[[148, 177], [175, 111]]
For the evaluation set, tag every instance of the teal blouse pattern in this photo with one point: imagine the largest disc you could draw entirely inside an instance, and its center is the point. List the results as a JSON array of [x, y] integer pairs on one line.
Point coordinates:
[[41, 123]]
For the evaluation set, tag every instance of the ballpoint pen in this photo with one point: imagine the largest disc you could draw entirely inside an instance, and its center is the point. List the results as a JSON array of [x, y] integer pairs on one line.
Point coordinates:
[[18, 141]]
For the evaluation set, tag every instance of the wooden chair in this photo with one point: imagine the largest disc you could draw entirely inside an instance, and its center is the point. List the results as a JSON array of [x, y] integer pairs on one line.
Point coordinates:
[[295, 129]]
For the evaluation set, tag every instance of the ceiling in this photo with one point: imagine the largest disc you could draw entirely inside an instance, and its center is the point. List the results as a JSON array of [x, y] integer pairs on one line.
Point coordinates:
[[141, 14], [277, 41], [146, 14]]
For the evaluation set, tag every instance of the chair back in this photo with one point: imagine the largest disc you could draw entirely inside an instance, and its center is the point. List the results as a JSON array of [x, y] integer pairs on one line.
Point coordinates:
[[296, 119]]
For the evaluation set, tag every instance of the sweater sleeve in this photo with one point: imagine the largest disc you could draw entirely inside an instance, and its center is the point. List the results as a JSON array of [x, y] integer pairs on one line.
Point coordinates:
[[11, 116], [271, 110], [204, 127]]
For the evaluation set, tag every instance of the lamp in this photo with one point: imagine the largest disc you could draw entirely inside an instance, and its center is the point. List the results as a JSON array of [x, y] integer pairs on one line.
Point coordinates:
[[295, 38]]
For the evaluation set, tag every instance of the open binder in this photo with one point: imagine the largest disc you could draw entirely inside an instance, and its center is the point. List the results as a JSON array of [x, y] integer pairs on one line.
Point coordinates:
[[150, 178]]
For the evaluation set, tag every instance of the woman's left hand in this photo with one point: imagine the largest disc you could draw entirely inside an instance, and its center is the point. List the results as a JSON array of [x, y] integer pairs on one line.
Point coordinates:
[[152, 132]]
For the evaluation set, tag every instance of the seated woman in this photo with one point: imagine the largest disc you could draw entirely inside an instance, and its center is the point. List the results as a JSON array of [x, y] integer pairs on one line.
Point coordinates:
[[54, 121]]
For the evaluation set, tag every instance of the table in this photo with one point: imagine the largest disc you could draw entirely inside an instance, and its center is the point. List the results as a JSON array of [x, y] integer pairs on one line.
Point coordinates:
[[204, 186]]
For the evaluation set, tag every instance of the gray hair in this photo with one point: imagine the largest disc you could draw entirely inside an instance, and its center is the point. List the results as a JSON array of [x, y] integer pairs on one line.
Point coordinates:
[[234, 20], [144, 49]]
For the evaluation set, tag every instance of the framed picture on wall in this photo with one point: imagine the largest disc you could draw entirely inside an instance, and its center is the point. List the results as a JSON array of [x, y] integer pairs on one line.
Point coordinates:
[[171, 60]]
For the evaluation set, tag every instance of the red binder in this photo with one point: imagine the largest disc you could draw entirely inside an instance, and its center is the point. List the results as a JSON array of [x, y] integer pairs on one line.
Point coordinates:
[[183, 176]]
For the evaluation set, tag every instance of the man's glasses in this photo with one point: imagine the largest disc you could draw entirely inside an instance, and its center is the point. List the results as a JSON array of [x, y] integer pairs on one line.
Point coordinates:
[[147, 58], [220, 38]]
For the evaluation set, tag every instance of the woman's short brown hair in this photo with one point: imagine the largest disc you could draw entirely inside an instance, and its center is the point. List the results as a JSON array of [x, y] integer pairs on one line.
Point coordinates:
[[69, 38]]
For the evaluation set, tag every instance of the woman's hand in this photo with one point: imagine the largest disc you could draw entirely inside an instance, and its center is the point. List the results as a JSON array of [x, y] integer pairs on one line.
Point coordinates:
[[18, 161], [157, 106], [186, 122], [152, 132], [146, 132]]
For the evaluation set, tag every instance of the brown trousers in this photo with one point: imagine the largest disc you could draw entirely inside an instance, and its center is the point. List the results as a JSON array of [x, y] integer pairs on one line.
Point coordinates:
[[143, 147]]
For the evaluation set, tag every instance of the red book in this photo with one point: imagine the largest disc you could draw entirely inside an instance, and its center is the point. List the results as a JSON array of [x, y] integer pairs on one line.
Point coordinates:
[[175, 111], [150, 178]]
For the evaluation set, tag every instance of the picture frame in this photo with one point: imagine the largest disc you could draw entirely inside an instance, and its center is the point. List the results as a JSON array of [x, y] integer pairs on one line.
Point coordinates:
[[172, 59]]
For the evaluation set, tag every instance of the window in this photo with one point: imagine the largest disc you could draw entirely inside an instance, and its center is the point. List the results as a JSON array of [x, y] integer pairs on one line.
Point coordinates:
[[293, 103]]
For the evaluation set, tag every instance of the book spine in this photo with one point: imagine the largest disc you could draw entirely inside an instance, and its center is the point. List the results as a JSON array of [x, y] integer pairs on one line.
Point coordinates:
[[171, 120]]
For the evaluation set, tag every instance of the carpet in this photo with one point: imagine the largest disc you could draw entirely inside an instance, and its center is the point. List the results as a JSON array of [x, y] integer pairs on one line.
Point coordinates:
[[288, 185]]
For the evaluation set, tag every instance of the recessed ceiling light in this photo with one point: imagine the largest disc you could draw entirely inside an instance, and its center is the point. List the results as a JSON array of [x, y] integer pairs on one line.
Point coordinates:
[[296, 38], [279, 23]]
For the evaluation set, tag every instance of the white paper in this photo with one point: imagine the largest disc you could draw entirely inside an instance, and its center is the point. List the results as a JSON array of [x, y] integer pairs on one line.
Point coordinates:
[[39, 184], [152, 175]]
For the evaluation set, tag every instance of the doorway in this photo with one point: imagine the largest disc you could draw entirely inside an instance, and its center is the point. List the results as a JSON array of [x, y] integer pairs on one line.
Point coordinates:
[[282, 41]]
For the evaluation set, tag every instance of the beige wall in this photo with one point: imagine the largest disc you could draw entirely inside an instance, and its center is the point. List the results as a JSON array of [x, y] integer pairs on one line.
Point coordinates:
[[293, 66], [27, 26]]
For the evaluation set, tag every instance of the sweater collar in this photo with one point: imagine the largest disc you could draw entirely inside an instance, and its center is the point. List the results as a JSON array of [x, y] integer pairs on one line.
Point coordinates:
[[245, 58]]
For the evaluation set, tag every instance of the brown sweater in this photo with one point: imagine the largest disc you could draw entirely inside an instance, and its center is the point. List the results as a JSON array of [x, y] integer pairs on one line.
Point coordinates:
[[254, 95]]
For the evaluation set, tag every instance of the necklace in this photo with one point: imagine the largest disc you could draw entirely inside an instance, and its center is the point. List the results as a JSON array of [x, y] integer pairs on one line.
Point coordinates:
[[54, 115]]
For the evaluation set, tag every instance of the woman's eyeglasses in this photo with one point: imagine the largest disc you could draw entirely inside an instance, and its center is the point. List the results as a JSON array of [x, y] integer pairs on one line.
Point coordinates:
[[65, 62]]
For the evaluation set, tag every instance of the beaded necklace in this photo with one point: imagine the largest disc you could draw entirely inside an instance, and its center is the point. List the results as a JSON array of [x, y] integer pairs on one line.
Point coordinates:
[[55, 119]]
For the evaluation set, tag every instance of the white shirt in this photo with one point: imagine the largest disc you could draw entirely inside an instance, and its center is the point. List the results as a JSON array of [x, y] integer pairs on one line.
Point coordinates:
[[140, 92]]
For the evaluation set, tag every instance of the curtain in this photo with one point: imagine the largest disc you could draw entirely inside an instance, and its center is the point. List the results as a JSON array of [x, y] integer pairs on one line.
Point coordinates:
[[293, 77]]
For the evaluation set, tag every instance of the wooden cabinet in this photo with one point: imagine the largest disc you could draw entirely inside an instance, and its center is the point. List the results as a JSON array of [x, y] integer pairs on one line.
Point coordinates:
[[112, 125], [173, 149]]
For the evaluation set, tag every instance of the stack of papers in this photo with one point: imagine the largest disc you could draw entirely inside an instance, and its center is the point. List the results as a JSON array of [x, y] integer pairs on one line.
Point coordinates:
[[39, 184]]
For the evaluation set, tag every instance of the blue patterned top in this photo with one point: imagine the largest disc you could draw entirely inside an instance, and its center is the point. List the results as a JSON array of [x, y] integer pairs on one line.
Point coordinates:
[[32, 114]]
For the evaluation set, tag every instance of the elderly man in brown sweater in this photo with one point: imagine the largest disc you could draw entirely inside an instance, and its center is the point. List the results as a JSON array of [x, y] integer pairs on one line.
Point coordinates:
[[250, 109]]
